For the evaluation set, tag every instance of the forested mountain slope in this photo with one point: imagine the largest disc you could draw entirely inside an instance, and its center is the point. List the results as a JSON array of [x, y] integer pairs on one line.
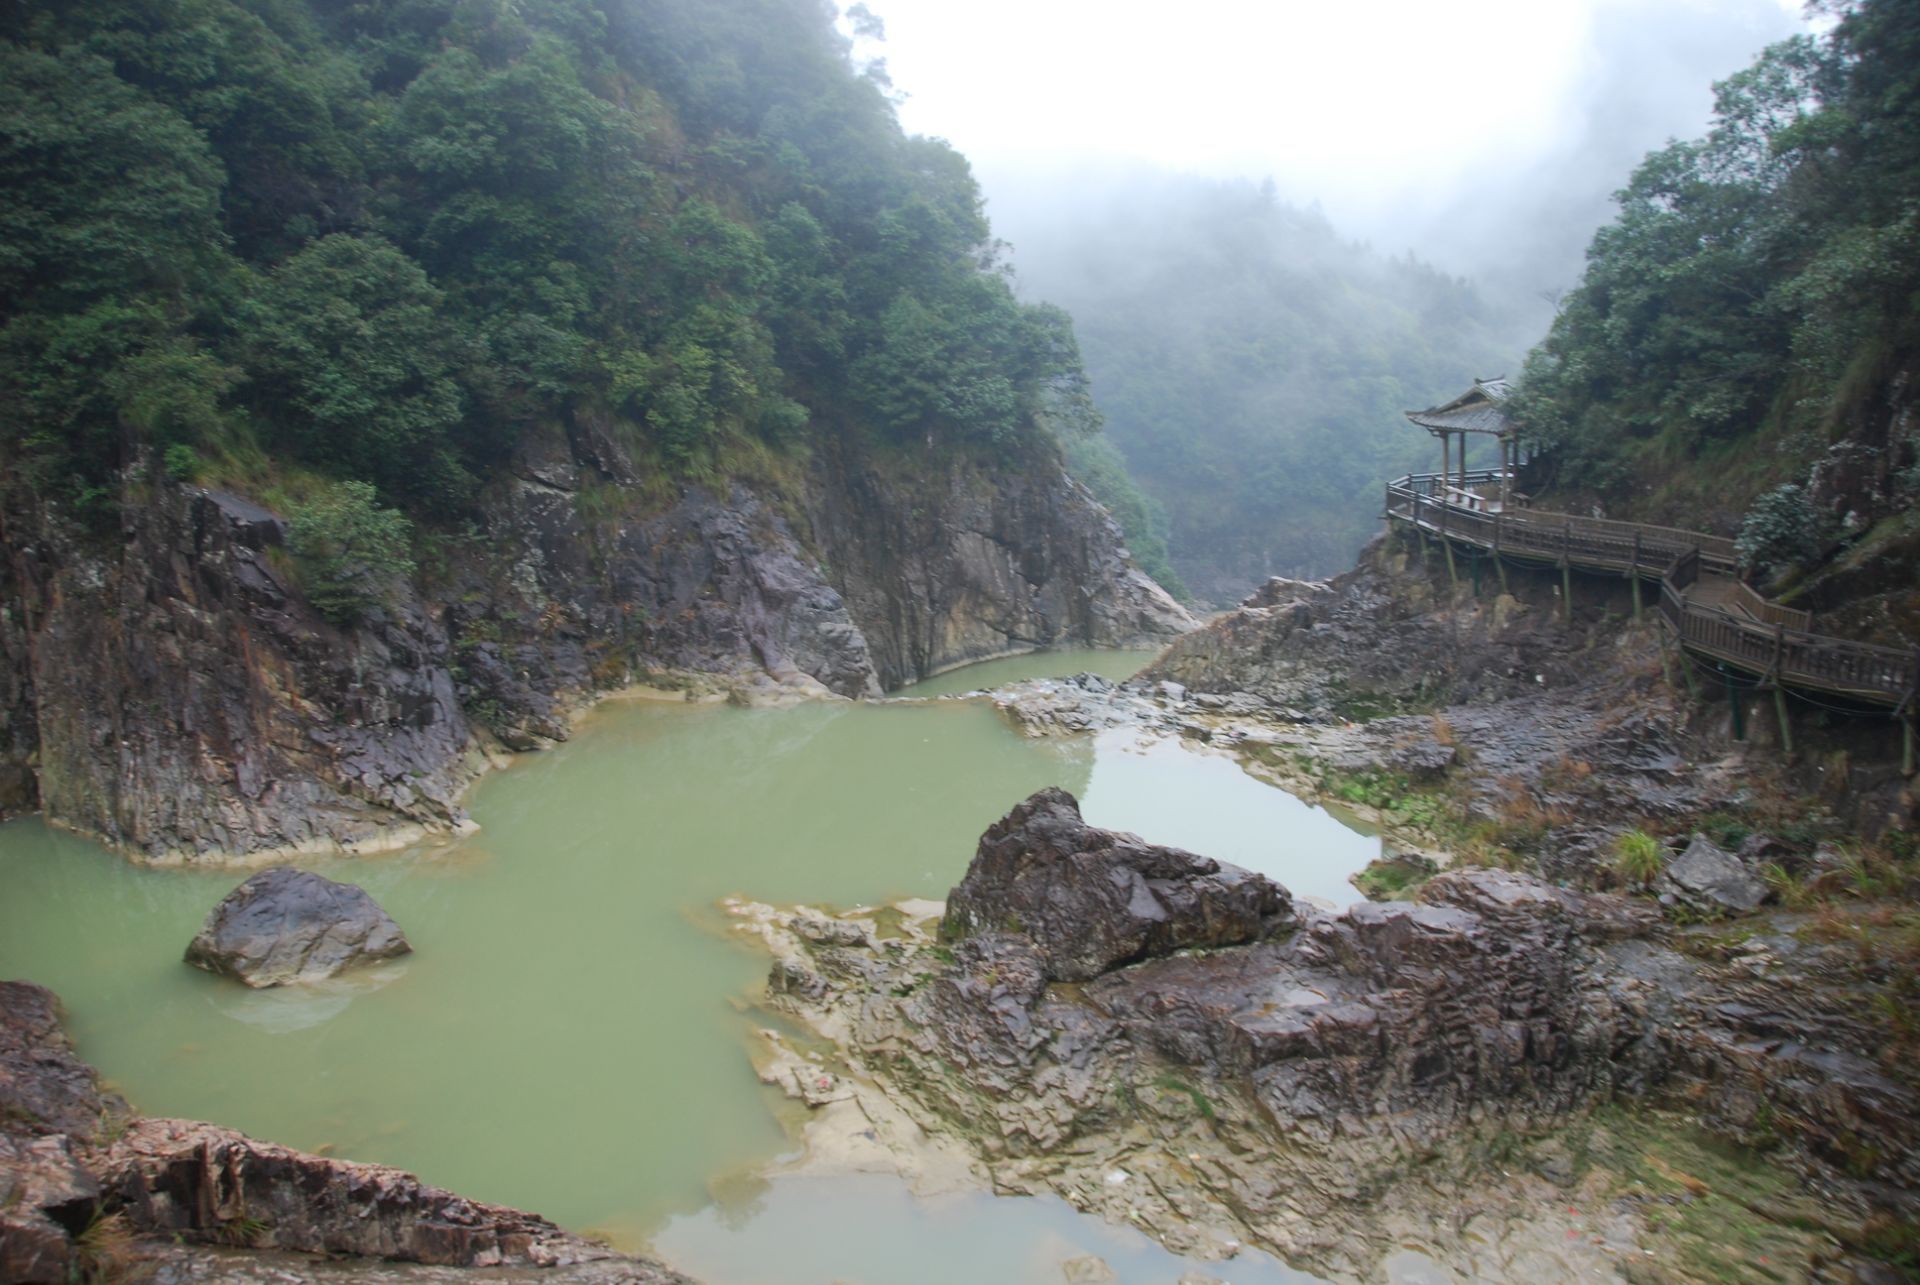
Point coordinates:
[[374, 371], [1742, 352], [1252, 365], [384, 239]]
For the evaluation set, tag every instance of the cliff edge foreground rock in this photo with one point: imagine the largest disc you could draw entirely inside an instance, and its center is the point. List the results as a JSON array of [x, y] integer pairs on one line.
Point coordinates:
[[88, 1190]]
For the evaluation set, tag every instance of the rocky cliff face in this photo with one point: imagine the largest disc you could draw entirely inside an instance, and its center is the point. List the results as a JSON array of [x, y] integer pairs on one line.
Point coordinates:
[[177, 696], [168, 687], [968, 565]]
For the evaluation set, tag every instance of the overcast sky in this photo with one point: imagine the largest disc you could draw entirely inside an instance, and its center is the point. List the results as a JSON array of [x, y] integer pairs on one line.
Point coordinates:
[[1373, 109]]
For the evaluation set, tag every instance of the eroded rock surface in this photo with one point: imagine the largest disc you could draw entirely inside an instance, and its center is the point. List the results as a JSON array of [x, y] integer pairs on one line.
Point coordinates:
[[1090, 899], [183, 1177], [285, 925], [1326, 1091], [174, 1192]]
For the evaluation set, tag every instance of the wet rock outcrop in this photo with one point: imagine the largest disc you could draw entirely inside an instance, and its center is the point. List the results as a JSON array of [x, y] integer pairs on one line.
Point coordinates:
[[285, 925], [168, 687], [959, 565], [177, 696], [74, 1159], [1389, 631], [1090, 899], [1707, 878], [1302, 1090], [182, 1177], [51, 1106]]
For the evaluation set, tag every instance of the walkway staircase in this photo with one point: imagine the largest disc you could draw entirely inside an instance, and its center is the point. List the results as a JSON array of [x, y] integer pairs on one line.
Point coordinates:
[[1703, 602]]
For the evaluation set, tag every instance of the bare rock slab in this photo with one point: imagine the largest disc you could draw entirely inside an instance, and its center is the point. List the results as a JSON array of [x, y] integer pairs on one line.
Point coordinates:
[[285, 925], [1093, 899], [1708, 877]]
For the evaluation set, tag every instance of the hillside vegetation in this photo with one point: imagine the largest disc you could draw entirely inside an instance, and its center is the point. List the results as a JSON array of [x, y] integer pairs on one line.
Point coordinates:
[[276, 242], [1742, 352]]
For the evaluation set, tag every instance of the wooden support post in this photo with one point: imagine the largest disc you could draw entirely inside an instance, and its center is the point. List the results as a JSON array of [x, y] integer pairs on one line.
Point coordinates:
[[1500, 564], [1453, 577], [1634, 575], [1566, 588], [1786, 728], [1739, 710], [1476, 577], [1666, 663], [1908, 709]]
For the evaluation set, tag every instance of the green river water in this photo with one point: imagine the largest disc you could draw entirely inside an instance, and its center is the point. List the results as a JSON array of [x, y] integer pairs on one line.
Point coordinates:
[[570, 1034]]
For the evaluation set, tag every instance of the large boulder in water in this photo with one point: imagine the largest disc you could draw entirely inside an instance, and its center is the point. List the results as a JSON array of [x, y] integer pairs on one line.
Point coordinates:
[[285, 925], [1091, 899]]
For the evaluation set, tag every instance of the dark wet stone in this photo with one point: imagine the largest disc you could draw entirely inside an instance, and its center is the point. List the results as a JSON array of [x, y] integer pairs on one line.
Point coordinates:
[[1092, 899], [44, 1088], [285, 925]]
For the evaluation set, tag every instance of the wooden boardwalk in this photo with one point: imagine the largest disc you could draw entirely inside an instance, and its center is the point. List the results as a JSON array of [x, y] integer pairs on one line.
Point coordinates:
[[1702, 603]]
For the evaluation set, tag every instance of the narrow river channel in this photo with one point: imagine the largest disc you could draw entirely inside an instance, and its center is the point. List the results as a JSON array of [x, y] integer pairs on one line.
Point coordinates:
[[570, 1035]]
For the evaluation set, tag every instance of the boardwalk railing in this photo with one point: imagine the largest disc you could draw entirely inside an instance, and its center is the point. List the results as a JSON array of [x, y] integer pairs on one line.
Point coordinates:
[[1752, 634], [1596, 543], [1748, 599]]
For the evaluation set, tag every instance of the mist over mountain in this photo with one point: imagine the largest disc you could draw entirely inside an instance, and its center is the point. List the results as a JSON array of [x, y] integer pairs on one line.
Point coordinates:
[[1252, 363], [1519, 224]]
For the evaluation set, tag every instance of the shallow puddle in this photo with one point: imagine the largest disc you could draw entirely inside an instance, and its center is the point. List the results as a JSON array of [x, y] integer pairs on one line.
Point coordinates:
[[868, 1228]]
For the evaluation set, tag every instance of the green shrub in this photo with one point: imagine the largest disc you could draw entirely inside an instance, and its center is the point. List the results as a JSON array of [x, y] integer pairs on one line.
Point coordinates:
[[1781, 529], [1638, 857], [182, 463], [349, 550]]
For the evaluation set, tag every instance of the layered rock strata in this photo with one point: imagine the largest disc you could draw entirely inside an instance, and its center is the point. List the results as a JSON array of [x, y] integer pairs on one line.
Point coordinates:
[[89, 1189], [1291, 1091]]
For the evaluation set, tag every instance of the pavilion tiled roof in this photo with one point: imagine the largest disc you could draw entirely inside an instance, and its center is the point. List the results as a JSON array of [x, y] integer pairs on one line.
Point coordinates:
[[1475, 411]]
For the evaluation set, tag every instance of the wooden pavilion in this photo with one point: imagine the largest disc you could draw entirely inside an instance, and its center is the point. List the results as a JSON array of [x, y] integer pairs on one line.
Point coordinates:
[[1475, 411]]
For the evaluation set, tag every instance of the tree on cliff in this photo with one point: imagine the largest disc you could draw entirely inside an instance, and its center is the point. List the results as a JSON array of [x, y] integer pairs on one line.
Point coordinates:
[[384, 241], [1760, 286], [348, 549]]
